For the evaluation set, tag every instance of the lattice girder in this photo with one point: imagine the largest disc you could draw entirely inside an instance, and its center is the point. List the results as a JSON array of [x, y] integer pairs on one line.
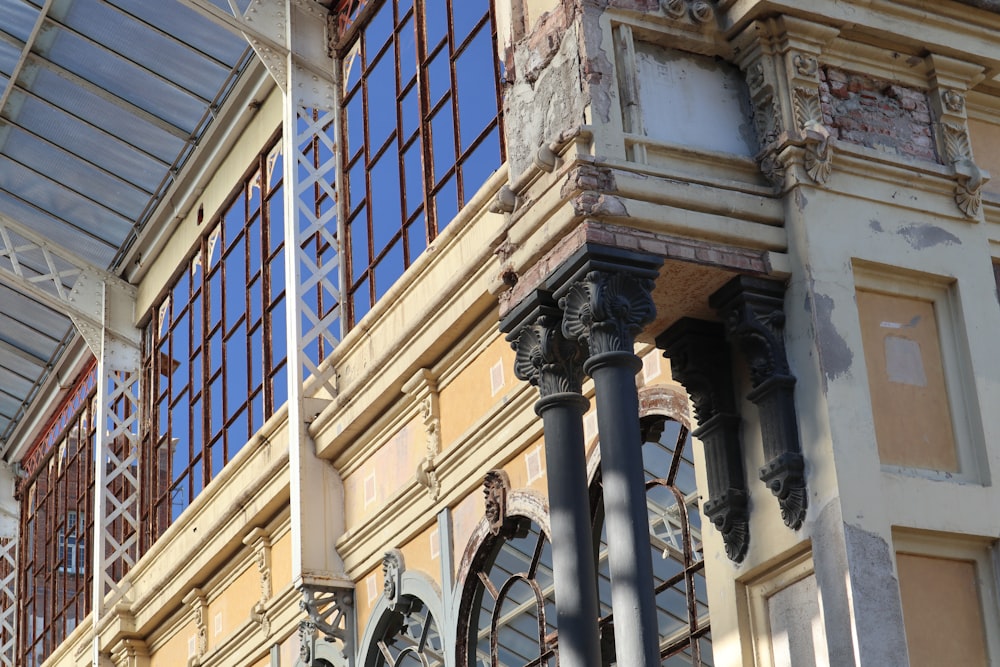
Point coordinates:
[[67, 283]]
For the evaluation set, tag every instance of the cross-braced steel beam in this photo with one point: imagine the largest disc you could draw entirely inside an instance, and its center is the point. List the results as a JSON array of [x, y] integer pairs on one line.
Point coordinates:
[[9, 528]]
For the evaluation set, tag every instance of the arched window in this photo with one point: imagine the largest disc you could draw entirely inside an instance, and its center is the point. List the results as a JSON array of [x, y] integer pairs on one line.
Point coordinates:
[[404, 630], [410, 637], [507, 614], [675, 538]]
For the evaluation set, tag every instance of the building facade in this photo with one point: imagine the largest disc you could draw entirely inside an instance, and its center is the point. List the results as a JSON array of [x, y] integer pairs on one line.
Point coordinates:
[[520, 332]]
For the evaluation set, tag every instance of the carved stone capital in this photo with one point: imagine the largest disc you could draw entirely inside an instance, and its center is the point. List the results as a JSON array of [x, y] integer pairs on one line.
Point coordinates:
[[545, 358], [605, 310], [699, 360], [752, 310]]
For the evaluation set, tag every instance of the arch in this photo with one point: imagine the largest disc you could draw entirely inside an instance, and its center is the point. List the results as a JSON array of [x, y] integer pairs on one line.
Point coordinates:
[[417, 591], [507, 560]]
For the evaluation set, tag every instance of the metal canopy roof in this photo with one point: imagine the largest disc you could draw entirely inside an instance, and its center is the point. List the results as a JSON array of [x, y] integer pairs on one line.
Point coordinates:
[[102, 103]]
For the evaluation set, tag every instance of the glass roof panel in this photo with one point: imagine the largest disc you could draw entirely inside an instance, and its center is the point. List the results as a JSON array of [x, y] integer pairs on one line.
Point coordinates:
[[107, 116], [123, 80], [106, 107], [107, 151], [147, 46], [187, 26], [34, 188], [75, 174], [85, 246], [9, 55], [18, 18]]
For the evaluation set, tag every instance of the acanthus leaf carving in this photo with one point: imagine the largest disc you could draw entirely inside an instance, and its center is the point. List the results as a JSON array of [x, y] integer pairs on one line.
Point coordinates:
[[606, 309], [546, 358], [968, 176], [818, 159]]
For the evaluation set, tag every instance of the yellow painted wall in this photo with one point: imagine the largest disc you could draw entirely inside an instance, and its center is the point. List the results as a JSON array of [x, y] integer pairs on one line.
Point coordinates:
[[941, 611], [281, 562], [469, 396], [391, 466], [905, 373], [175, 651], [986, 150], [234, 604], [420, 557]]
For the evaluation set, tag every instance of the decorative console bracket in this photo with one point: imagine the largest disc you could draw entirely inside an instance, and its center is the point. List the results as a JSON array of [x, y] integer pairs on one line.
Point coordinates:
[[328, 632], [752, 310], [781, 60], [700, 360], [422, 388], [259, 540]]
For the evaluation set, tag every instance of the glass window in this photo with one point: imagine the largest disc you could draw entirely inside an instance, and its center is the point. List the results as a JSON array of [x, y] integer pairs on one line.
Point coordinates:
[[410, 638], [422, 131], [508, 613], [55, 581], [675, 538], [214, 350]]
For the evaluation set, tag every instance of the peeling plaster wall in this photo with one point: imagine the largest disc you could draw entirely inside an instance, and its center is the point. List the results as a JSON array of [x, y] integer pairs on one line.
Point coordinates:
[[547, 94]]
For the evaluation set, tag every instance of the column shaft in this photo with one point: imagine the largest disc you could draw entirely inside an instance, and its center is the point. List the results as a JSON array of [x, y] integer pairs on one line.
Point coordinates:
[[626, 516], [574, 571]]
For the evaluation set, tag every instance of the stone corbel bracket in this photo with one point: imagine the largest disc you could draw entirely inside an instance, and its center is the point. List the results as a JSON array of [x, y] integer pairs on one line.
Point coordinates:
[[260, 541], [700, 360], [130, 652], [423, 389], [198, 602], [327, 633], [781, 60], [949, 80], [752, 310]]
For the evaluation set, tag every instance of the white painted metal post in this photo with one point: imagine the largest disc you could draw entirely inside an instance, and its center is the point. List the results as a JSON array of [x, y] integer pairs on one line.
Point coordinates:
[[9, 542]]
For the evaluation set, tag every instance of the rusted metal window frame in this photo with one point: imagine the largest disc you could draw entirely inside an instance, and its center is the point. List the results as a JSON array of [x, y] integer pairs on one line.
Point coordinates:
[[692, 564], [222, 247], [354, 20], [54, 465]]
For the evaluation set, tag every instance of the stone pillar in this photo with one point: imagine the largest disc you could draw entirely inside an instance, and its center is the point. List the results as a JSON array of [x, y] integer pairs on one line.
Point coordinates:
[[605, 295], [554, 364]]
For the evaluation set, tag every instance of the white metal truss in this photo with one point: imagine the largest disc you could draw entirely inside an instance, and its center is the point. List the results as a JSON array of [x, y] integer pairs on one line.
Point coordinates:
[[66, 283], [8, 598], [102, 307]]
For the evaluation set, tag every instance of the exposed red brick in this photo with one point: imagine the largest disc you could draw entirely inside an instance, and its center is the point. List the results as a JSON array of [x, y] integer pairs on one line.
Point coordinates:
[[876, 113]]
